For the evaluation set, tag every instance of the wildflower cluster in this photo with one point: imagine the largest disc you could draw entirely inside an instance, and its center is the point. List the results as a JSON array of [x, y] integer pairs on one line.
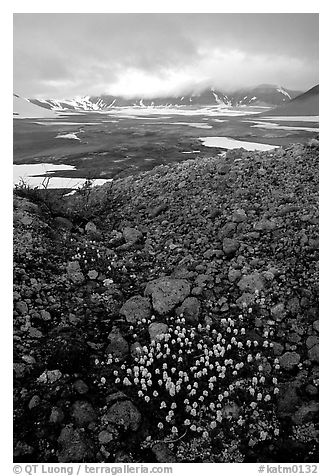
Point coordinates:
[[202, 380], [95, 260]]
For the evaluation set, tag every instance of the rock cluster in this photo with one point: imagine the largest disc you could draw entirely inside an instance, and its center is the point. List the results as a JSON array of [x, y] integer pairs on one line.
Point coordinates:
[[202, 241]]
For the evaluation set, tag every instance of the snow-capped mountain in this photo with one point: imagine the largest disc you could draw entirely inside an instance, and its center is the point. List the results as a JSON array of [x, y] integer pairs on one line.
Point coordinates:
[[263, 95], [23, 108]]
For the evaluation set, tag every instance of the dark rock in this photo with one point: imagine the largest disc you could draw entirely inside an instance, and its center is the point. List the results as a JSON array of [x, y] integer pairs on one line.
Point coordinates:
[[190, 309], [136, 309], [278, 311], [22, 449], [114, 397], [57, 416], [265, 226], [122, 456], [63, 223], [34, 402], [91, 229], [75, 446], [227, 230], [162, 453], [124, 414], [83, 413], [136, 349], [167, 293], [311, 341], [66, 349], [80, 387], [22, 307], [307, 412], [105, 437], [131, 235], [288, 399], [313, 353], [118, 345], [246, 299], [230, 246], [234, 275], [158, 210], [45, 315], [289, 360], [74, 272], [239, 216]]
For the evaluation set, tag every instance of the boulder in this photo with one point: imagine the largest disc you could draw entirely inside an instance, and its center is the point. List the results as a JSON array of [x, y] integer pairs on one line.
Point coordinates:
[[124, 414], [167, 293], [190, 309], [251, 283], [136, 309]]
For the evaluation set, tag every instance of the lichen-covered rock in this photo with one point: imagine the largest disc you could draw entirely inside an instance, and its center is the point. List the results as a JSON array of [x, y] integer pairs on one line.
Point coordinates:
[[75, 446], [125, 415], [167, 293]]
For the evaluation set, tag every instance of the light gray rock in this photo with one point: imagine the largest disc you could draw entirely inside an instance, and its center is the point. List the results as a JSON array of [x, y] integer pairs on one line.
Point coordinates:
[[190, 309], [131, 235], [167, 293], [136, 309], [74, 272], [289, 360], [157, 330], [251, 283]]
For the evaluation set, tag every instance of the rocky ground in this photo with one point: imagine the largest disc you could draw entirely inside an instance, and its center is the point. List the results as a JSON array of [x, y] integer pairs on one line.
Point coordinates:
[[171, 316]]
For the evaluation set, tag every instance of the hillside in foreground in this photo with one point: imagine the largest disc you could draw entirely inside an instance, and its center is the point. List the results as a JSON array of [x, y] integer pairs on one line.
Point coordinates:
[[171, 316]]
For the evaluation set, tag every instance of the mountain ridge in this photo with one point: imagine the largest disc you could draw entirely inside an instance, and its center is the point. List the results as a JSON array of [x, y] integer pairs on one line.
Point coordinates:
[[262, 95]]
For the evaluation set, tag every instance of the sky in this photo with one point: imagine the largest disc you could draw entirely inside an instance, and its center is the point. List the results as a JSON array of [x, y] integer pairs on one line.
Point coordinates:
[[63, 55]]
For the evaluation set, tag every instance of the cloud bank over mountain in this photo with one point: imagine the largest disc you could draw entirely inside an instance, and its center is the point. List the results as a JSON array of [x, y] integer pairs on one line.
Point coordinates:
[[63, 55]]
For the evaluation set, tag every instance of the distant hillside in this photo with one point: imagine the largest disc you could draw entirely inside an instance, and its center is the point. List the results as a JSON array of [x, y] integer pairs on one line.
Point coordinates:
[[262, 95], [24, 108], [306, 104]]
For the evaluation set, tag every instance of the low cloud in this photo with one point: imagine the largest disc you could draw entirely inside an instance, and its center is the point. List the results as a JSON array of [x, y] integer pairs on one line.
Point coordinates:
[[64, 55]]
